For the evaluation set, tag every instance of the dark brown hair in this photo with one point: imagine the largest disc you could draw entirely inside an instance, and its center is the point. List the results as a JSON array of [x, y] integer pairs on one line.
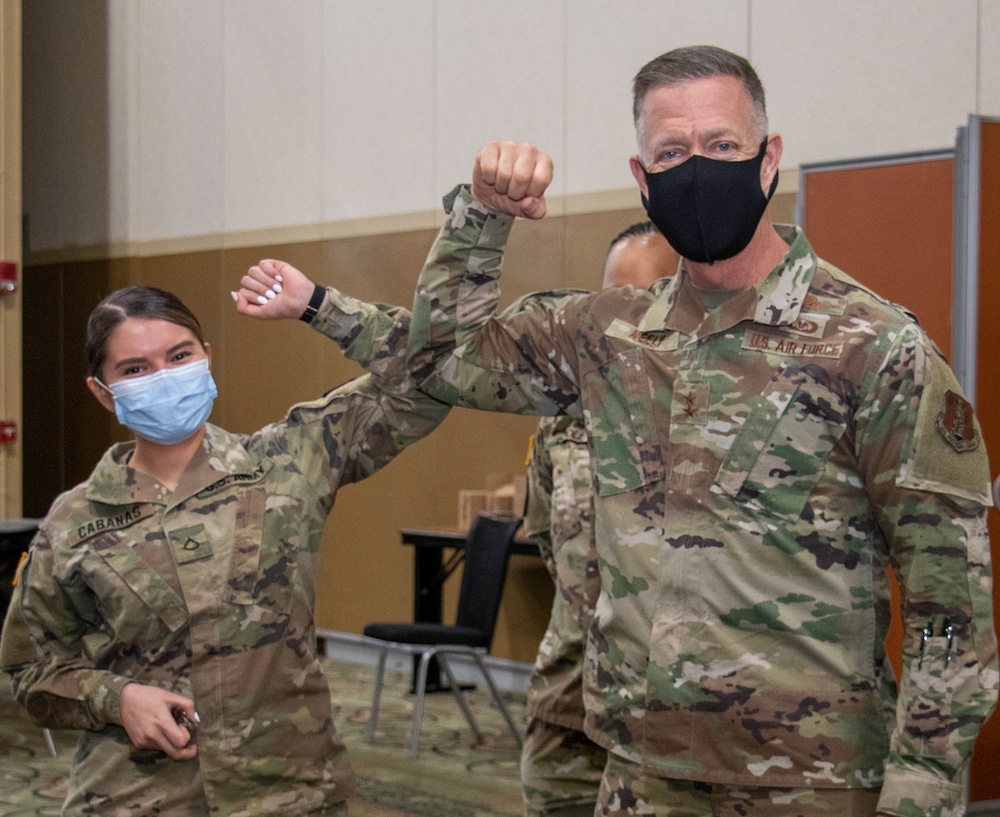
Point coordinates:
[[133, 302]]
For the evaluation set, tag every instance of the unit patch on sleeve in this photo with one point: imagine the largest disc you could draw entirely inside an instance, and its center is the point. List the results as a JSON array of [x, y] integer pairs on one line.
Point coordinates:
[[956, 424]]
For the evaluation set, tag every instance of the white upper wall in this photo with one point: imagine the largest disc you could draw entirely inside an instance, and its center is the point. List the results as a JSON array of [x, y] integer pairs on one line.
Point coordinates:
[[172, 119]]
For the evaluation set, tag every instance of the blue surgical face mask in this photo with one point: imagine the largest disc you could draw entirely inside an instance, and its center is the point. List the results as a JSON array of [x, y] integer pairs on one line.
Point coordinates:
[[167, 406]]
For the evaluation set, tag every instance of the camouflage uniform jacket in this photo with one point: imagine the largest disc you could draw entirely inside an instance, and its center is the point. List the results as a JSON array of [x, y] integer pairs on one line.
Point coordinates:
[[758, 467], [209, 591], [560, 517]]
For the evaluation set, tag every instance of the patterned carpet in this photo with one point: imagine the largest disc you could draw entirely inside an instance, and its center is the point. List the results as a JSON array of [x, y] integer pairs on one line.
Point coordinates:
[[453, 777]]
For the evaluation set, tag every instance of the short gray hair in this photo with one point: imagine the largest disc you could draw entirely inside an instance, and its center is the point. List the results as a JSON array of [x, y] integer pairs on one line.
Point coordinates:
[[699, 62]]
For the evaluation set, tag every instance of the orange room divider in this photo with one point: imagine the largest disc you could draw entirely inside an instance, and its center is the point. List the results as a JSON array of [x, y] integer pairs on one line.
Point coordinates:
[[890, 222], [981, 244]]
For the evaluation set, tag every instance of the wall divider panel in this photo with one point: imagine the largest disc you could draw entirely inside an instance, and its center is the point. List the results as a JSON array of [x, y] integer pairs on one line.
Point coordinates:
[[894, 224], [978, 279]]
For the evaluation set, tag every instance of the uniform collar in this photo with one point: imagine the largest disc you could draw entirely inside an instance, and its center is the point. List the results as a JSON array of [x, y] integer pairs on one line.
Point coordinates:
[[114, 483], [774, 301]]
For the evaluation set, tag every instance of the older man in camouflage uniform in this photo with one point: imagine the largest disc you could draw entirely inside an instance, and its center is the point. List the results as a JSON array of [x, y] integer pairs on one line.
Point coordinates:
[[769, 437], [212, 590], [561, 767]]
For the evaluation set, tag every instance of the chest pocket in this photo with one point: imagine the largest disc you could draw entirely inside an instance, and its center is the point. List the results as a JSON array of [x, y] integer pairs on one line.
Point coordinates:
[[627, 453], [783, 447], [135, 600], [190, 544], [267, 549]]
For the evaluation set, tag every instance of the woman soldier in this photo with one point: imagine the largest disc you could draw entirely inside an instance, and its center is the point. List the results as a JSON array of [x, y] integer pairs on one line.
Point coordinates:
[[166, 605]]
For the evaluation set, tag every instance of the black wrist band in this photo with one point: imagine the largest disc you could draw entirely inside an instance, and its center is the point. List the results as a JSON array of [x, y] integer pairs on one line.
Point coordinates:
[[314, 303]]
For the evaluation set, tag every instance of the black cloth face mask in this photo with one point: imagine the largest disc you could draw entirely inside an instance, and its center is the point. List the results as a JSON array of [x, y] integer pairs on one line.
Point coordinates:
[[708, 209]]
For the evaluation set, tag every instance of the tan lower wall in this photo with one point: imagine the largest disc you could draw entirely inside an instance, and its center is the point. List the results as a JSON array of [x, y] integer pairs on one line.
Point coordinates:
[[262, 368]]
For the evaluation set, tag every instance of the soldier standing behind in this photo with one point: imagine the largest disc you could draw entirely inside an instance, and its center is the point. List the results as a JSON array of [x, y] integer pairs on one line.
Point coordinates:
[[166, 605], [561, 767]]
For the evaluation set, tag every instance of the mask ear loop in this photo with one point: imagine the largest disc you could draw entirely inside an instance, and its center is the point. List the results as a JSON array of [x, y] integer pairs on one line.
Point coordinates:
[[774, 181], [111, 394]]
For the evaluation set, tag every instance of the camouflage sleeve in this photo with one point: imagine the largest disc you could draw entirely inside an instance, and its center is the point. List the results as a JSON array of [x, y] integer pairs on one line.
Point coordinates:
[[364, 331], [560, 511], [538, 505], [522, 361], [360, 426], [48, 638], [924, 463]]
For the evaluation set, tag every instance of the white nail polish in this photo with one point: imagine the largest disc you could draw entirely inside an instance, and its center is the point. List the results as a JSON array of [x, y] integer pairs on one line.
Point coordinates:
[[278, 278], [197, 718], [261, 300], [235, 297], [276, 287], [270, 294]]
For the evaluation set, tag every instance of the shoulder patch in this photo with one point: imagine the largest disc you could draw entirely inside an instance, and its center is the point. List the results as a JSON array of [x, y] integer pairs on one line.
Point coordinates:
[[955, 422], [945, 453], [20, 566]]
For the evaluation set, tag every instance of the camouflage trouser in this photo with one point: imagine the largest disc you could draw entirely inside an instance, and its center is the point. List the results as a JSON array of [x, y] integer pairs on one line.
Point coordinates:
[[561, 771], [625, 790], [182, 801]]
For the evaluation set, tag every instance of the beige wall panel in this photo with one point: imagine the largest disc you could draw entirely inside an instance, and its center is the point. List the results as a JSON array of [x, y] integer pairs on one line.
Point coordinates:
[[500, 75], [124, 47], [273, 113], [179, 117], [160, 120], [856, 78], [989, 59], [379, 105], [606, 43]]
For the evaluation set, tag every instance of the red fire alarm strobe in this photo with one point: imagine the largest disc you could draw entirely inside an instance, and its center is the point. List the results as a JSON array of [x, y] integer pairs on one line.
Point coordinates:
[[8, 277], [8, 431]]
